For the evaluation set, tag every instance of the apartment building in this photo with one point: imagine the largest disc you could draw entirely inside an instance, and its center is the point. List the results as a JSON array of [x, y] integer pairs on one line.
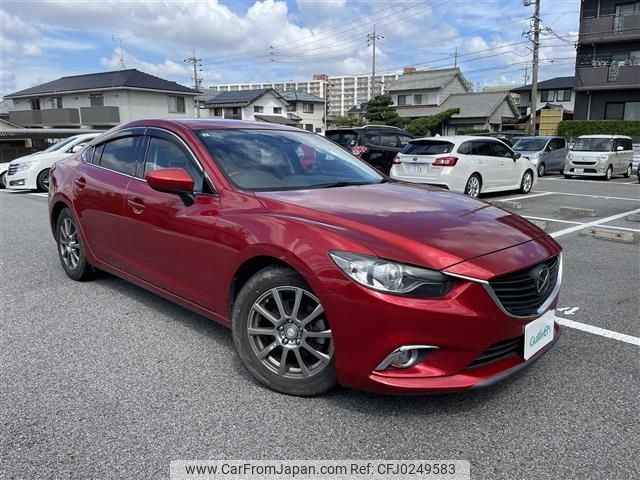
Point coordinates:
[[608, 61], [341, 92]]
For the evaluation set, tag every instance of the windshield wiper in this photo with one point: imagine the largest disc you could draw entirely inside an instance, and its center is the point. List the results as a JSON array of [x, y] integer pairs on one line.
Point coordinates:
[[341, 184]]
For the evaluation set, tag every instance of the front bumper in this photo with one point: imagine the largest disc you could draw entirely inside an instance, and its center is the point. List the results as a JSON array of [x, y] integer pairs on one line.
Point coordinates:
[[368, 325], [24, 180]]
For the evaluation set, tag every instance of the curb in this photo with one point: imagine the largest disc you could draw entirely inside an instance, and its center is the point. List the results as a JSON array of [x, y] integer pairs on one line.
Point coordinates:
[[608, 234]]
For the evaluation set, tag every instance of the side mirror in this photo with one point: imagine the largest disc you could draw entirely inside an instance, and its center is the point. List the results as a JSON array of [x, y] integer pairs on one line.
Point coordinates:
[[516, 155], [172, 180], [619, 148], [76, 148]]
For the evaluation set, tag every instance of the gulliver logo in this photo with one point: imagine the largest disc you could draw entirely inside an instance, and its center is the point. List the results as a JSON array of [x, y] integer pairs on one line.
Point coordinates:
[[540, 335]]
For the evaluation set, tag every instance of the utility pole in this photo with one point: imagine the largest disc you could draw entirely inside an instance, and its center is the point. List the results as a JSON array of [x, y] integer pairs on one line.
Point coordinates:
[[195, 61], [372, 37], [534, 72], [526, 74], [455, 59]]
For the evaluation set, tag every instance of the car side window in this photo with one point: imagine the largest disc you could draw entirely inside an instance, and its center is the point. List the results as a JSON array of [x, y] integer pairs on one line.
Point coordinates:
[[626, 143], [163, 153], [482, 148], [465, 148], [501, 150], [389, 140], [96, 153], [404, 139], [120, 154], [372, 137]]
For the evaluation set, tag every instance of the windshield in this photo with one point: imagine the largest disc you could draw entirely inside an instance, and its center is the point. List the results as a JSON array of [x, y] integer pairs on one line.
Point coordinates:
[[427, 147], [593, 144], [346, 138], [284, 160], [530, 144], [60, 145]]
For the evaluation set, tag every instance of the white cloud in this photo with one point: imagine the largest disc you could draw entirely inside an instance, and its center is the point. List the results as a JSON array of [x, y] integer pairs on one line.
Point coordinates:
[[31, 50], [166, 69]]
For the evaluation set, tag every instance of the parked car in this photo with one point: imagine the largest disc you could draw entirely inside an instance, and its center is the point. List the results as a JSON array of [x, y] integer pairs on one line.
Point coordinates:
[[600, 156], [471, 165], [3, 174], [32, 171], [375, 144], [324, 270], [546, 153]]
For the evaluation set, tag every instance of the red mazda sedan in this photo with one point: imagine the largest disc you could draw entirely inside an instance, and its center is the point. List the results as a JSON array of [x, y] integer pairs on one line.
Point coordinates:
[[325, 270]]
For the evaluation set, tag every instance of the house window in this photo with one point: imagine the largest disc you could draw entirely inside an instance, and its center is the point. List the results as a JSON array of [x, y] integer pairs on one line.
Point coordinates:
[[632, 111], [35, 104], [564, 95], [417, 99], [308, 127], [258, 109], [176, 104], [56, 102], [217, 112], [307, 108], [432, 98], [236, 111], [402, 99], [614, 111], [548, 95], [318, 130], [277, 110], [96, 100]]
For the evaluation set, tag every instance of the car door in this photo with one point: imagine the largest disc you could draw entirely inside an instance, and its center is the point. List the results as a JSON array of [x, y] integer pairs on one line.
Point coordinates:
[[383, 146], [174, 243], [486, 164], [99, 188], [509, 176], [556, 155], [618, 156]]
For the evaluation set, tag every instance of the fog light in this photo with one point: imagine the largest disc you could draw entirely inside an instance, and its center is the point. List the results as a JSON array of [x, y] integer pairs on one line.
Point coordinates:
[[406, 356]]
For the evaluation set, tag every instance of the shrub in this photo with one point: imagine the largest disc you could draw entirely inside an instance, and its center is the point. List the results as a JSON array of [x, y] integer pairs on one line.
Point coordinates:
[[571, 129], [471, 131]]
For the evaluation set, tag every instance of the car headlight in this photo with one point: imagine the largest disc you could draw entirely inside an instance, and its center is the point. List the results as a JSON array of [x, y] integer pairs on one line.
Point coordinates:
[[25, 165], [534, 158], [391, 277], [570, 156]]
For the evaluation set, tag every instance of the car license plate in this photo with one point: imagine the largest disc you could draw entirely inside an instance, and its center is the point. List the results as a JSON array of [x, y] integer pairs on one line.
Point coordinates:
[[578, 170], [419, 169], [538, 333]]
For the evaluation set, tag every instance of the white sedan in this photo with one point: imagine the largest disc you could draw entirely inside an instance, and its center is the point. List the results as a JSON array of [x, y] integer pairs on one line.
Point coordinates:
[[471, 165], [32, 171]]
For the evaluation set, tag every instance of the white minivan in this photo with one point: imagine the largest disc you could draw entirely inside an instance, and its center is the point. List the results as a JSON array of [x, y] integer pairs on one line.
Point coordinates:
[[600, 156], [470, 165]]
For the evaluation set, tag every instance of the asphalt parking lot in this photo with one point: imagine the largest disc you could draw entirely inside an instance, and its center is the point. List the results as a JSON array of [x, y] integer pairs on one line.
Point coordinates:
[[105, 380]]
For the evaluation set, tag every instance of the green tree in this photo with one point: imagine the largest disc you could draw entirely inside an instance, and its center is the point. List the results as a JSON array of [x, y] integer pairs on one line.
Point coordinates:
[[345, 122], [425, 125], [379, 112]]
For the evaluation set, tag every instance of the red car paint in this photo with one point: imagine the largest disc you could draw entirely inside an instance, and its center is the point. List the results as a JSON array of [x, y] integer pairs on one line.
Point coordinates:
[[191, 255]]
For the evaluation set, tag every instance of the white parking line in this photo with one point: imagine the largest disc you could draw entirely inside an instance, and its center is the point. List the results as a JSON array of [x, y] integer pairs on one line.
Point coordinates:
[[544, 219], [40, 194], [582, 180], [524, 197], [605, 197], [603, 332], [575, 228]]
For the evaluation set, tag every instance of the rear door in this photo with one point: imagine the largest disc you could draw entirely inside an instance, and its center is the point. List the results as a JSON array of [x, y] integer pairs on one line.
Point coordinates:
[[174, 244], [100, 184], [382, 147], [509, 168], [486, 163]]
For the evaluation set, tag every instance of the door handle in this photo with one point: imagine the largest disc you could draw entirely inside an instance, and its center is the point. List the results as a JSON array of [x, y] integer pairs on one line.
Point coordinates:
[[136, 204], [80, 182]]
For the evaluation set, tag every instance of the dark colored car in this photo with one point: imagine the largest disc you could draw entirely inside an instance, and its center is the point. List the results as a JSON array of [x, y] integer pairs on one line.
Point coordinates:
[[377, 145], [325, 271]]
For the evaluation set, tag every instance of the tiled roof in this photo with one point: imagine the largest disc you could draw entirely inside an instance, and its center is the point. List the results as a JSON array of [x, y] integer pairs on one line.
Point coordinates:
[[552, 83], [471, 105], [301, 96], [425, 79], [240, 97], [94, 81]]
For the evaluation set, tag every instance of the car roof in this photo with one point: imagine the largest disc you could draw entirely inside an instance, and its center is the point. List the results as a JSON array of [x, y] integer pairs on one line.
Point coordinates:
[[364, 127], [545, 137], [604, 136], [455, 138], [209, 124]]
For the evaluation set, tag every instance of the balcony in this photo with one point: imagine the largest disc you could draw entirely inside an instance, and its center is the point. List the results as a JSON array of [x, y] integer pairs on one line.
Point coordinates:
[[609, 28], [100, 116], [61, 117], [607, 77], [26, 118]]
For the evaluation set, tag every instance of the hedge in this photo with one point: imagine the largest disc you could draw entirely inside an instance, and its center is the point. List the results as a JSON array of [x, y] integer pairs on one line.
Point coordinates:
[[471, 131], [571, 129]]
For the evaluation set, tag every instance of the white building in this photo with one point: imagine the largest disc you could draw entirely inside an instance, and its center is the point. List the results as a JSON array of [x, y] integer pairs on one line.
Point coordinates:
[[308, 109], [341, 92], [264, 104], [100, 100]]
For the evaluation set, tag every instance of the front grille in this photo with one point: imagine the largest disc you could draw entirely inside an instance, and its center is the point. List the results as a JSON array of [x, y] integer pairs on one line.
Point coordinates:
[[498, 351], [584, 163], [518, 292], [12, 169]]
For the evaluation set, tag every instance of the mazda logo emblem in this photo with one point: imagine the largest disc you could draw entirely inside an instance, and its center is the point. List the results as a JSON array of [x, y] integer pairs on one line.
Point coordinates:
[[542, 279]]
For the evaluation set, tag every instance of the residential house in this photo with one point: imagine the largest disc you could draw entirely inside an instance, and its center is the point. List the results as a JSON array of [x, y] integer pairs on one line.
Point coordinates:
[[264, 104], [608, 61], [100, 100], [555, 92], [478, 111], [429, 92], [307, 109]]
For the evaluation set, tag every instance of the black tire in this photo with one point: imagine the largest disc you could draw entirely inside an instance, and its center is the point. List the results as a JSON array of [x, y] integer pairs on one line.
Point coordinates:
[[627, 174], [42, 182], [541, 170], [470, 189], [3, 180], [526, 184], [81, 271], [609, 174], [259, 286], [567, 176]]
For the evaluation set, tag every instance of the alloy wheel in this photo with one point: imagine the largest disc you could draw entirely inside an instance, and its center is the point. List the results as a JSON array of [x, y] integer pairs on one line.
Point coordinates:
[[541, 170], [473, 187], [527, 182], [69, 244], [609, 172], [289, 334]]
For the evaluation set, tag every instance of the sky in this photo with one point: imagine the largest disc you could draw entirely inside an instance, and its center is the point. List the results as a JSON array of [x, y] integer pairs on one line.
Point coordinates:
[[268, 40]]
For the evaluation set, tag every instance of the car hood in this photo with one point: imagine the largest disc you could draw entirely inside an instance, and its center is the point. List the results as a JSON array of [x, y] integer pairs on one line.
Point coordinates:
[[528, 153], [409, 223]]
